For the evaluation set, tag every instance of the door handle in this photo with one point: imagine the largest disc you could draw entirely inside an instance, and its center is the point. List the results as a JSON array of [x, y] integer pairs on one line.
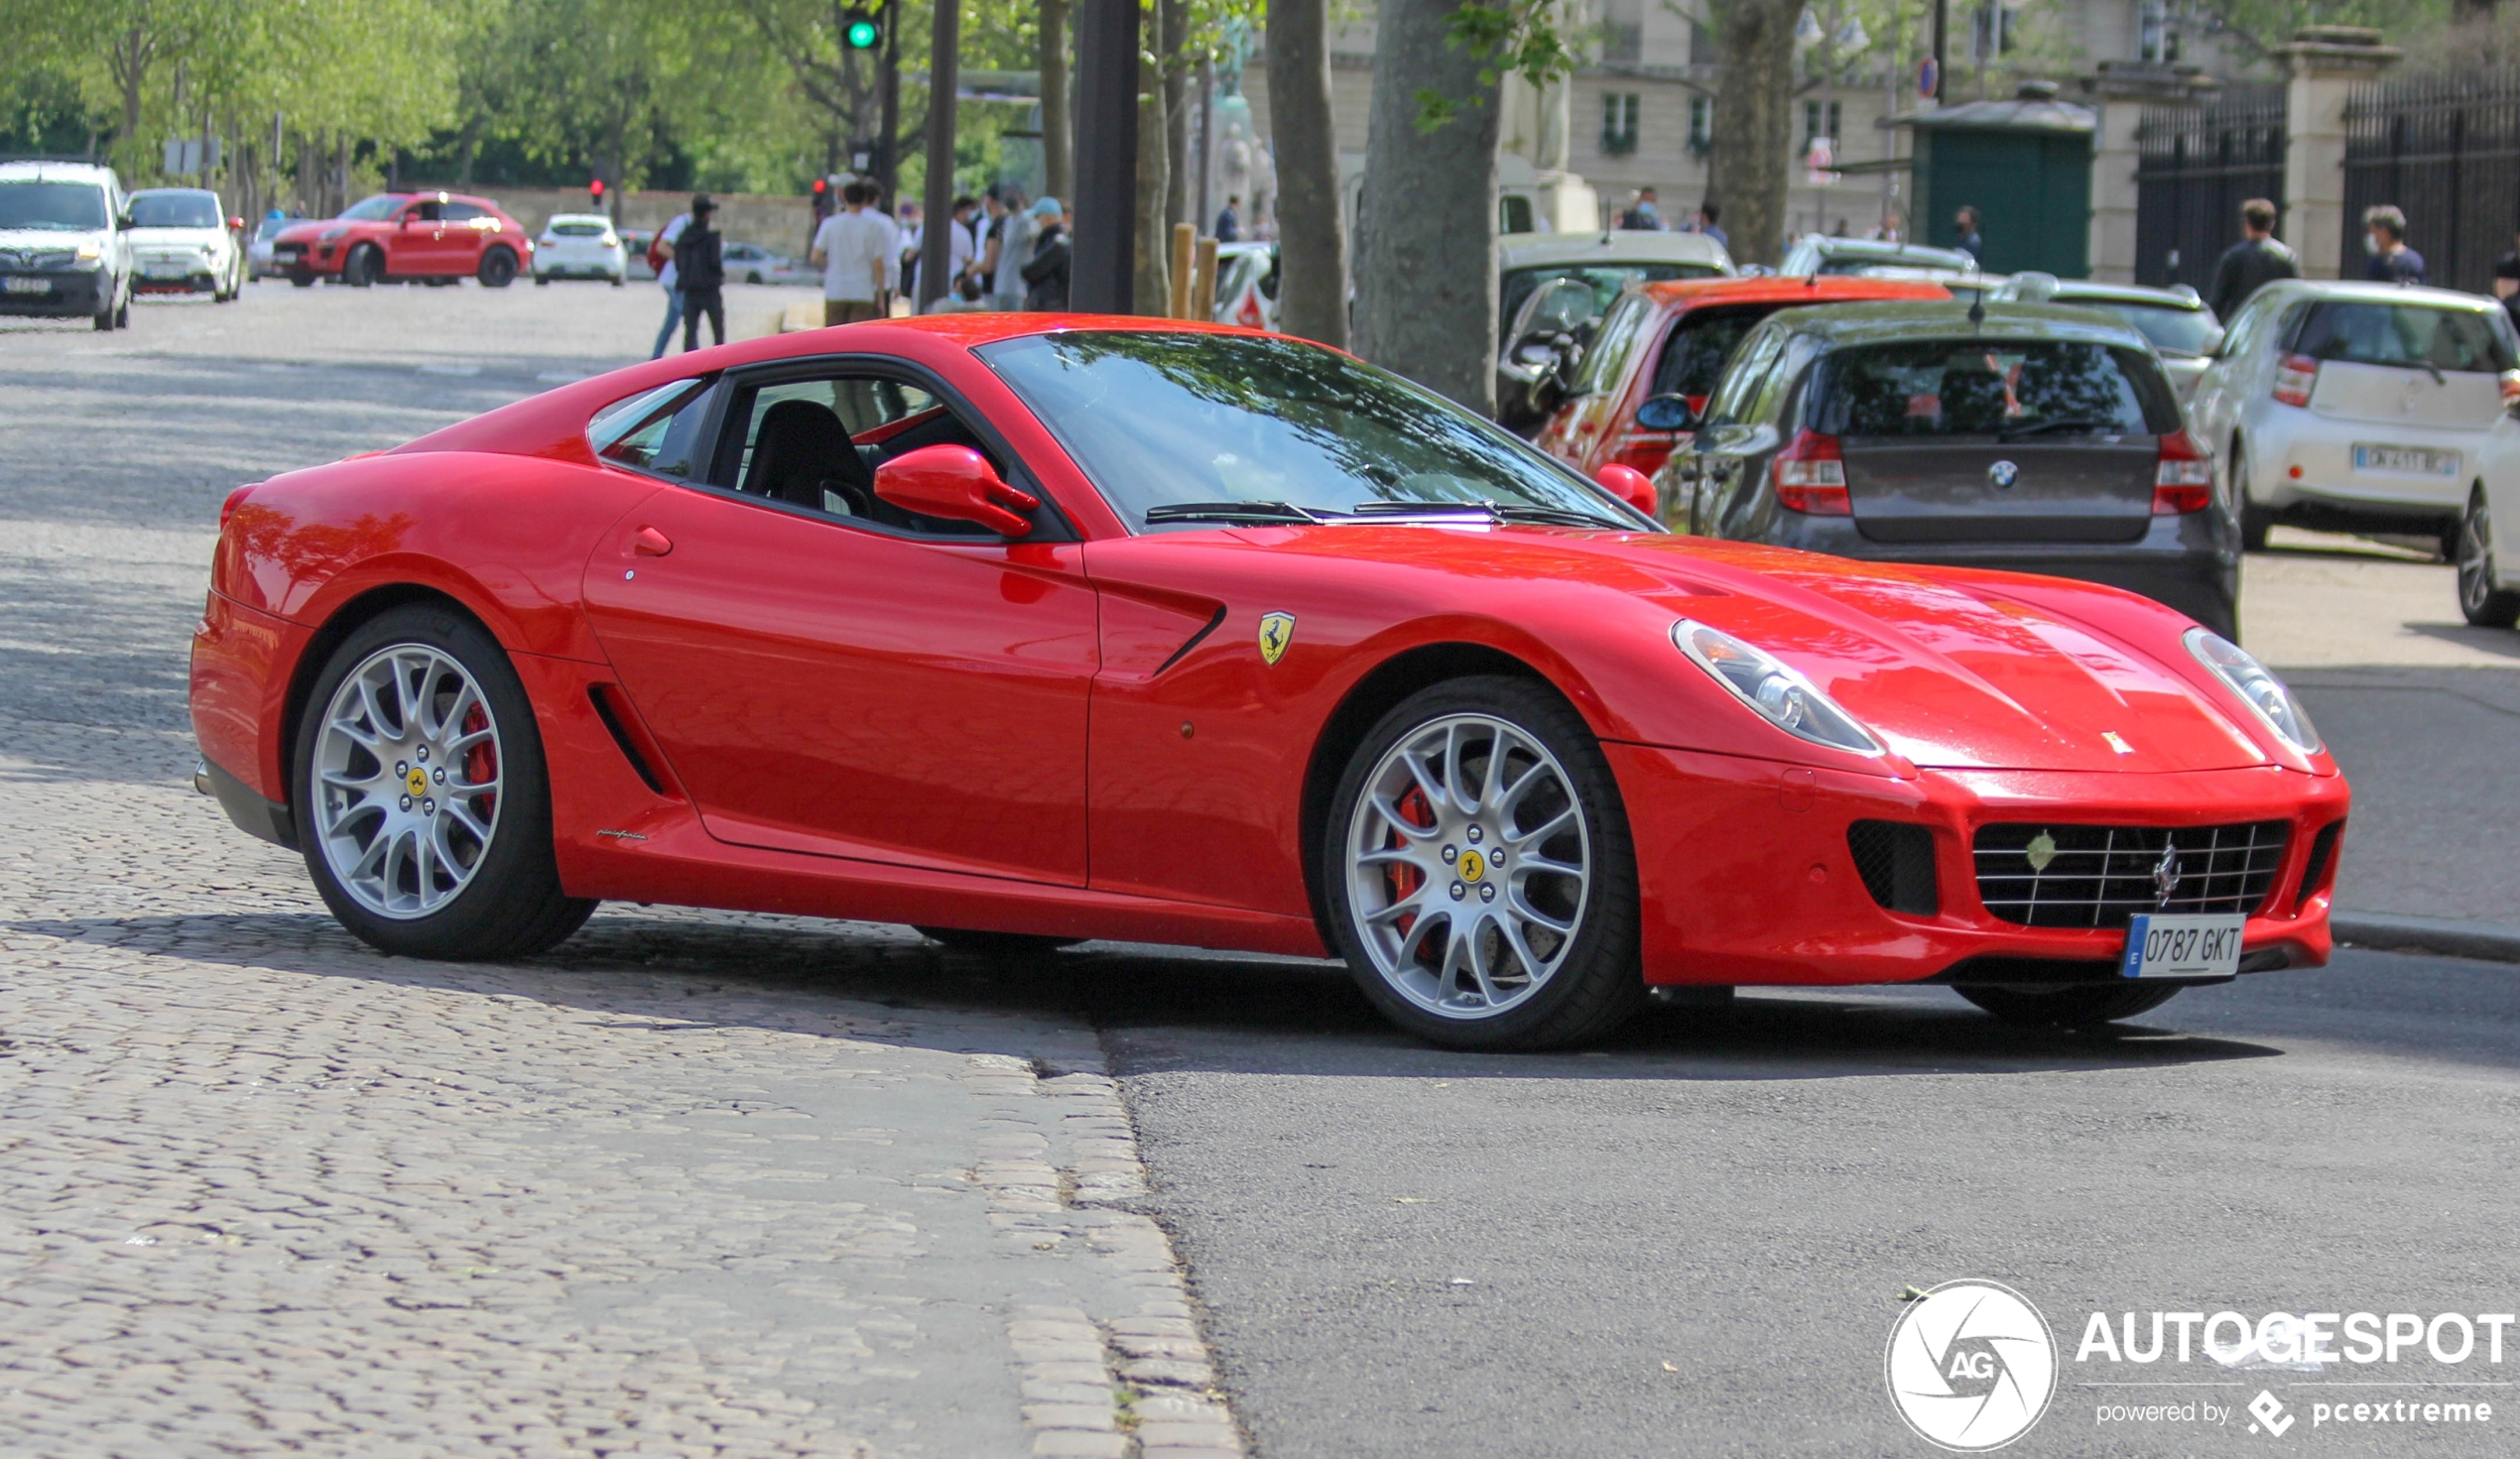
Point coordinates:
[[647, 542]]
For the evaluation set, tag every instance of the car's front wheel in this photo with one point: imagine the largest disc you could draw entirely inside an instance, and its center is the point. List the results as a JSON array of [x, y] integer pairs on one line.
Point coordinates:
[[364, 267], [498, 268], [422, 801], [1478, 874], [2481, 598], [2072, 1008]]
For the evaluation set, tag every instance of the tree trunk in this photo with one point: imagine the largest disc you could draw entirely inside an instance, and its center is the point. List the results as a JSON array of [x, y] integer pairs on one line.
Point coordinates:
[[1751, 159], [1172, 22], [944, 69], [1426, 256], [1056, 179], [1312, 227], [1152, 284]]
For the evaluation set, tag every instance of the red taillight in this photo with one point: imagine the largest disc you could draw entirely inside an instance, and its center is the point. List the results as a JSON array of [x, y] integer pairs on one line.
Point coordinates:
[[1810, 477], [236, 499], [2295, 375], [2511, 387], [2183, 480]]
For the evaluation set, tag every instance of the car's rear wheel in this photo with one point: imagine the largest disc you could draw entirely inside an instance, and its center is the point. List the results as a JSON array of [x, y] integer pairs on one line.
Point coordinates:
[[498, 268], [997, 944], [2484, 602], [365, 265], [2070, 1008], [422, 798], [303, 280], [542, 281], [1478, 874], [2254, 519]]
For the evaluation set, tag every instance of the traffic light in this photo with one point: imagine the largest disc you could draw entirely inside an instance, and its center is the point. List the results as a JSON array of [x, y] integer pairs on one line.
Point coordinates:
[[596, 191], [861, 31]]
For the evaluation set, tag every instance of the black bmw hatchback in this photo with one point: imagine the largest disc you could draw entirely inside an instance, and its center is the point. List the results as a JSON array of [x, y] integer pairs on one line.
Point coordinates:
[[2031, 437]]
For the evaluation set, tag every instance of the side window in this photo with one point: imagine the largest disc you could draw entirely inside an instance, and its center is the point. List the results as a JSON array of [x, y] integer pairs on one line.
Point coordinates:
[[816, 441], [1604, 362], [460, 212], [1739, 386], [656, 432], [2289, 327], [1784, 384]]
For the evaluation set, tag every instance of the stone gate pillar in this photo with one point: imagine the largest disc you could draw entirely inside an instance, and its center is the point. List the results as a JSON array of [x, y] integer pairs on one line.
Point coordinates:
[[2322, 66]]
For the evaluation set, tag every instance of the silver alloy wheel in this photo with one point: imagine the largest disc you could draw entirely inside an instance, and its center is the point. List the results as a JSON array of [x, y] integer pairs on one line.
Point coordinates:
[[2476, 559], [1470, 827], [406, 777]]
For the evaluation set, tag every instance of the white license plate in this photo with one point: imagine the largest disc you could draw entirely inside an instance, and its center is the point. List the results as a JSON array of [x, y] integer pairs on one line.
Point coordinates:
[[284, 255], [167, 270], [29, 286], [2184, 946], [2405, 460]]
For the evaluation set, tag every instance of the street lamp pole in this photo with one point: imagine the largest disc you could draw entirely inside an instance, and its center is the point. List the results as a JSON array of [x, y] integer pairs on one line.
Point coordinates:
[[1101, 277], [944, 79]]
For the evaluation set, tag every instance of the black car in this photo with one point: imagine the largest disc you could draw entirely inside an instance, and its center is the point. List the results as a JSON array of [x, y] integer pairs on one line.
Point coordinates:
[[2022, 437]]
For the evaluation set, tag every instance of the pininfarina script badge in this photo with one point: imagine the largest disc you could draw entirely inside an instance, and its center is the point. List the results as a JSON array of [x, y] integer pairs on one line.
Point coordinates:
[[1277, 630]]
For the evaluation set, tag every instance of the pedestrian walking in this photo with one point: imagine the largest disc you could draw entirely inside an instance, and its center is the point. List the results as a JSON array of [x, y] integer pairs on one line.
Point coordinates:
[[1229, 220], [666, 275], [962, 245], [2384, 238], [2251, 264], [912, 233], [1707, 212], [1644, 213], [1046, 272], [1010, 246], [852, 249], [700, 262], [1964, 224]]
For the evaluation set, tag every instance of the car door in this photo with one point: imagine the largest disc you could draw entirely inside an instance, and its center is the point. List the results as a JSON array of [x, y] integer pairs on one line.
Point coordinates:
[[463, 230], [414, 244], [827, 674]]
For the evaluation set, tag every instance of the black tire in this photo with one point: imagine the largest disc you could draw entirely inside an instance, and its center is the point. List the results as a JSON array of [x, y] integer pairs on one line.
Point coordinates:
[[122, 311], [1597, 982], [542, 281], [364, 267], [753, 278], [498, 268], [303, 280], [619, 282], [2079, 1007], [105, 320], [2254, 519], [513, 905], [997, 944], [2479, 601]]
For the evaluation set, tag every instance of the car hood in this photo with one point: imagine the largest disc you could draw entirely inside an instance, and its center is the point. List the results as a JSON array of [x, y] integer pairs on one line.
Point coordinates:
[[45, 240], [308, 232], [176, 237], [1952, 670]]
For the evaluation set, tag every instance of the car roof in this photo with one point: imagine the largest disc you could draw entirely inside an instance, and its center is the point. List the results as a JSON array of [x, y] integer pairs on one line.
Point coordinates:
[[173, 191], [2174, 298], [2362, 291], [1618, 246], [1691, 294], [1888, 324], [1831, 245], [57, 171]]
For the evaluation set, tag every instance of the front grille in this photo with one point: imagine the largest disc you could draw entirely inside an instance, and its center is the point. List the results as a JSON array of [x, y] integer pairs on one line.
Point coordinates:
[[2103, 876], [37, 259], [1896, 862]]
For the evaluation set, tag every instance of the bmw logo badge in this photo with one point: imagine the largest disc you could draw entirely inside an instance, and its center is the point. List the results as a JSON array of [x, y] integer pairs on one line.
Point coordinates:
[[2003, 474]]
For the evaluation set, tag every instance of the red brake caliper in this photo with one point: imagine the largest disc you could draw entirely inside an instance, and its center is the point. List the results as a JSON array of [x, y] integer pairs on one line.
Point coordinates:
[[1402, 879], [481, 762]]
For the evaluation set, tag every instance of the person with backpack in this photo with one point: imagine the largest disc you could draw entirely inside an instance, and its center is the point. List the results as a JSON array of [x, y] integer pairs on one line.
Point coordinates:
[[661, 263], [1046, 272], [699, 263]]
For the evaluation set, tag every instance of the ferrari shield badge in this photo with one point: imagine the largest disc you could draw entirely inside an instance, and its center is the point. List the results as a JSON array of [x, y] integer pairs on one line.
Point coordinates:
[[2042, 850], [1277, 630]]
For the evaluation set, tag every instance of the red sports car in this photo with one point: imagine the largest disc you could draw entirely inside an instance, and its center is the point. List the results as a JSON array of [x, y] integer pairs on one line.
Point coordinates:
[[433, 237], [1667, 343], [1031, 629]]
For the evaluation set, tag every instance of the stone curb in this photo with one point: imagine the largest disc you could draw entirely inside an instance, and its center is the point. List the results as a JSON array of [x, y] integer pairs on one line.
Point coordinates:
[[2386, 932]]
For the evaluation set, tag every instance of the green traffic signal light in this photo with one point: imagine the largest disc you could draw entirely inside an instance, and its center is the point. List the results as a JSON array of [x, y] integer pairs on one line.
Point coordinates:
[[861, 33]]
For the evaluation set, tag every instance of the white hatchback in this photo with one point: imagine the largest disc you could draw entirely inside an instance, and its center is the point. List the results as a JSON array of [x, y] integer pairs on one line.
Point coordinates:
[[2356, 407], [580, 246]]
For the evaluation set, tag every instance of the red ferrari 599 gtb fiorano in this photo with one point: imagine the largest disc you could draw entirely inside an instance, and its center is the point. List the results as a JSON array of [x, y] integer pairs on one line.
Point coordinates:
[[1030, 629]]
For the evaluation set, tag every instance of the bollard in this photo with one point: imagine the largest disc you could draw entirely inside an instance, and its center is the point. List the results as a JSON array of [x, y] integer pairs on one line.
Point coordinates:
[[1183, 235], [1202, 281]]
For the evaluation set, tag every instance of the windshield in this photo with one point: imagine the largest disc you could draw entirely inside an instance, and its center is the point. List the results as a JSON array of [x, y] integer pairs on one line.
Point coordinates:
[[581, 230], [374, 209], [2003, 388], [2172, 329], [1606, 280], [2409, 334], [1694, 357], [53, 208], [1157, 418], [174, 210], [1844, 260]]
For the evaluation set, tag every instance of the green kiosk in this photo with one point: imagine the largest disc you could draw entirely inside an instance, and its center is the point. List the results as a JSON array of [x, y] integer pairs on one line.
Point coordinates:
[[2025, 164]]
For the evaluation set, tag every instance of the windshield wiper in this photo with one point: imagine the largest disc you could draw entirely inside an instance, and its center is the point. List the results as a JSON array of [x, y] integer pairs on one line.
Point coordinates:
[[2098, 428], [1492, 511], [1270, 512]]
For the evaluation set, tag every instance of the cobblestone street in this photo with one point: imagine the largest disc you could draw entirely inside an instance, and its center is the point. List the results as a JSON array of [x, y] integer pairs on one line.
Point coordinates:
[[695, 1184]]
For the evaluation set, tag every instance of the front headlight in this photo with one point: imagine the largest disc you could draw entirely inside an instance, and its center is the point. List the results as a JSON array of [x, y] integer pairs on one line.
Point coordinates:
[[89, 252], [1782, 696], [334, 232], [2257, 685]]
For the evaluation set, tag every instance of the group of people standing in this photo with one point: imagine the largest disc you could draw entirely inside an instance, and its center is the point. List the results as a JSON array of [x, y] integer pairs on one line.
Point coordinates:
[[1005, 252]]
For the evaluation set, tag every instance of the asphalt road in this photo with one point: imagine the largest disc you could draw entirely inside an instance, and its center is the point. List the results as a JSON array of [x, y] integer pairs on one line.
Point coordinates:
[[1688, 1242]]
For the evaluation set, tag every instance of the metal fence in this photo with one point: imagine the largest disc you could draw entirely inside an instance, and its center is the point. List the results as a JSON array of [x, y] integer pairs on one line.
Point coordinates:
[[2446, 150], [2196, 164]]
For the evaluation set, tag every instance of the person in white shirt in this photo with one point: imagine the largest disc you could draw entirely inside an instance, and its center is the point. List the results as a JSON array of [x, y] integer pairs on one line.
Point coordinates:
[[665, 277], [853, 249]]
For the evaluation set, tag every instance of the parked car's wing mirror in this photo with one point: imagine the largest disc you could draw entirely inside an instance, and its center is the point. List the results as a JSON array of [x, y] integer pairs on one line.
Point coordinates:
[[956, 483], [1631, 486], [1666, 412]]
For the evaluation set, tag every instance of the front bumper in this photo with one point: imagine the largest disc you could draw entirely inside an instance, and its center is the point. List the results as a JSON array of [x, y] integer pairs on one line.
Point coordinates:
[[1746, 875], [309, 260], [68, 293], [202, 279]]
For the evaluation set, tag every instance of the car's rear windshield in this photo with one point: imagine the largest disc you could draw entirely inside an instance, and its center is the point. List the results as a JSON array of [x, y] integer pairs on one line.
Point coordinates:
[[2409, 334], [1606, 280], [1158, 418], [1857, 261], [375, 210], [53, 208], [2171, 329], [174, 210], [2002, 388], [577, 230], [1703, 339]]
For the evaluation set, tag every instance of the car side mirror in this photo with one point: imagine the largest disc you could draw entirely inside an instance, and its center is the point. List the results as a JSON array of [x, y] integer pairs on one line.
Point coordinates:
[[1666, 412], [126, 222], [956, 483], [1631, 486]]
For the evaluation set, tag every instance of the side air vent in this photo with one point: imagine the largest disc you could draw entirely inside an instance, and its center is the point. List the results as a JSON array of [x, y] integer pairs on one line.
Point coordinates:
[[600, 695], [1896, 861], [2322, 865]]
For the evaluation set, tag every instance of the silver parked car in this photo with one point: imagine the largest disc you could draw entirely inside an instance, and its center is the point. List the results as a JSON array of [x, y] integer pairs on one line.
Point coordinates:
[[2184, 332]]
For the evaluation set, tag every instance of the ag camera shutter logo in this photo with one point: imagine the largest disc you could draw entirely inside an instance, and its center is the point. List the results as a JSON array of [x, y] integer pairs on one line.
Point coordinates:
[[1972, 1366]]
